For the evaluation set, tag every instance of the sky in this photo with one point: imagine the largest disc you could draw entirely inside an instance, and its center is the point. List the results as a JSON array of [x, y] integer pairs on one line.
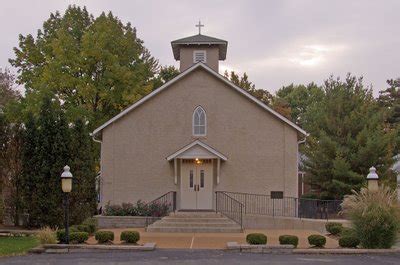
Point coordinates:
[[275, 42]]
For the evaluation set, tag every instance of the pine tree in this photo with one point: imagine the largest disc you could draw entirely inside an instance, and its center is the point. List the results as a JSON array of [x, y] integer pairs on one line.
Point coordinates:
[[348, 136], [390, 99]]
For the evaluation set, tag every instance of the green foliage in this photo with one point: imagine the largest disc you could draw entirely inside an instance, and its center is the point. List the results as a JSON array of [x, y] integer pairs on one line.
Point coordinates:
[[317, 241], [375, 216], [300, 98], [78, 237], [347, 231], [347, 136], [96, 65], [46, 235], [334, 228], [130, 236], [165, 74], [104, 236], [61, 234], [289, 240], [390, 100], [140, 209], [349, 241], [1, 210], [83, 196], [256, 239], [91, 224]]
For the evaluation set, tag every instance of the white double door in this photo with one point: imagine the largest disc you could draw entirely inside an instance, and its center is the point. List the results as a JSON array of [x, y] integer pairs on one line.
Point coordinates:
[[196, 184]]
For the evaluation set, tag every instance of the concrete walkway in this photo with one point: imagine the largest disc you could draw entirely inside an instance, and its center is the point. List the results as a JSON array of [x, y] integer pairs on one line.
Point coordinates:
[[213, 240]]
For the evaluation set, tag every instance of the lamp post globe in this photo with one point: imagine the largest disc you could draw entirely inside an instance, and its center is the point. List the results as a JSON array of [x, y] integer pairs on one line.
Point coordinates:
[[66, 186], [66, 180], [372, 179]]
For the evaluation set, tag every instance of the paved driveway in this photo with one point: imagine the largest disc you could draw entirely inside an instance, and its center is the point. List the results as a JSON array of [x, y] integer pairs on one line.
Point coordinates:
[[192, 257]]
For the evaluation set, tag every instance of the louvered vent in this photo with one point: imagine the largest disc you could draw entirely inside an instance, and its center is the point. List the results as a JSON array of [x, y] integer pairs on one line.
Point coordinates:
[[199, 56]]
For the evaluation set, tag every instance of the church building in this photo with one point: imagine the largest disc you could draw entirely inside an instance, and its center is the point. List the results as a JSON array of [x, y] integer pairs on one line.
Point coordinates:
[[195, 135]]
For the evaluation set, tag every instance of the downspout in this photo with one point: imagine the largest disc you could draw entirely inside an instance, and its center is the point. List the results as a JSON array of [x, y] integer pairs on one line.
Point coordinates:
[[298, 160], [94, 138]]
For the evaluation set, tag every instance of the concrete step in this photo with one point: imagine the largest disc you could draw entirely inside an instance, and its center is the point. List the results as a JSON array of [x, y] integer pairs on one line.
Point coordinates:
[[194, 229], [194, 224], [196, 214], [196, 220]]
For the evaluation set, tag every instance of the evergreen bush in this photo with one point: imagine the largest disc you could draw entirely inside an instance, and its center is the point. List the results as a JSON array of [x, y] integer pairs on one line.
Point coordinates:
[[78, 237], [289, 240], [256, 239], [334, 228], [130, 236], [104, 236], [317, 240], [349, 241]]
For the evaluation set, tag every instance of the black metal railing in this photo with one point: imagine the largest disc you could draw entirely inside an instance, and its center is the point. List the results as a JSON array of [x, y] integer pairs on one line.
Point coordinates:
[[260, 204], [166, 203], [229, 207]]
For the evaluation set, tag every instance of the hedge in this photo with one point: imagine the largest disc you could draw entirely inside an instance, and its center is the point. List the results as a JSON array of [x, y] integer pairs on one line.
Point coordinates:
[[130, 236], [61, 236], [334, 228], [349, 241], [256, 239], [289, 240], [104, 236], [317, 240], [78, 237]]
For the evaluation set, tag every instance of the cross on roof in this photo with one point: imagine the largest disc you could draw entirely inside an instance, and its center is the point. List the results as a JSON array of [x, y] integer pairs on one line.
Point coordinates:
[[199, 26]]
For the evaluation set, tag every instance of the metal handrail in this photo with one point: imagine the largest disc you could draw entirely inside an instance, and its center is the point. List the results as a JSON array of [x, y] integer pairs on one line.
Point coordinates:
[[230, 207], [262, 204], [170, 198]]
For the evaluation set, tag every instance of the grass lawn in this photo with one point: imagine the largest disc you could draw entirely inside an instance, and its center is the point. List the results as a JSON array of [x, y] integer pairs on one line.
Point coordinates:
[[17, 245]]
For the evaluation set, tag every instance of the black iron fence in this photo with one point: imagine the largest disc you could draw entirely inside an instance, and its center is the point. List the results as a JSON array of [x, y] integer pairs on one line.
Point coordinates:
[[229, 207], [261, 204]]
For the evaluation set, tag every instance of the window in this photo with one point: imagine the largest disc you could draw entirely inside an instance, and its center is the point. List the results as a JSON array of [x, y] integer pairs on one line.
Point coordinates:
[[201, 178], [276, 194], [199, 122], [199, 56], [191, 179]]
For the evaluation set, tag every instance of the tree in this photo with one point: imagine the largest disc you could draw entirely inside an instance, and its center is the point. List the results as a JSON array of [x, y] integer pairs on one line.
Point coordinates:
[[10, 150], [244, 83], [165, 74], [95, 66], [83, 195], [390, 99], [347, 138], [299, 98]]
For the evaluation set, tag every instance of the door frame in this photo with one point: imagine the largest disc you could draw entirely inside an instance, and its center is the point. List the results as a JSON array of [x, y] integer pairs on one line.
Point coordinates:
[[185, 167]]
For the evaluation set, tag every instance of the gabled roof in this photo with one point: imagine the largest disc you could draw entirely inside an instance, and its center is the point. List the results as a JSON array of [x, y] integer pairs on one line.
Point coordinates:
[[193, 144], [217, 75], [199, 39]]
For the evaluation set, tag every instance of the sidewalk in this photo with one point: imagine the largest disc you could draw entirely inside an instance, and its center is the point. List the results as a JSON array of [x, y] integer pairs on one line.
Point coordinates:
[[213, 240]]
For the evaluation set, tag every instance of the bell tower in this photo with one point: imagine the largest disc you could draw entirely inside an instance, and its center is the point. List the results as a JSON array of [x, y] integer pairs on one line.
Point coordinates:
[[199, 48]]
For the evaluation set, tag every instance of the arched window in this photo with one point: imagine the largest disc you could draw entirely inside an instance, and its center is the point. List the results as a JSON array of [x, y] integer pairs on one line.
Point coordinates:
[[199, 122]]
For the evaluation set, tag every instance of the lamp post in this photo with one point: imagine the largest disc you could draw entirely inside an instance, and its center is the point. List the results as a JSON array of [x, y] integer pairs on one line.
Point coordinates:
[[372, 179], [66, 185]]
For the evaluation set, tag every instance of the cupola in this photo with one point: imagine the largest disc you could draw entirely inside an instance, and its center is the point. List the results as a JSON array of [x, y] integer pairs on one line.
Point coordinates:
[[199, 48]]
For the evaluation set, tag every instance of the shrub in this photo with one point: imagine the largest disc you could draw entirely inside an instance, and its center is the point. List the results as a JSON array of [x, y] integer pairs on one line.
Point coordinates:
[[317, 240], [375, 216], [141, 208], [91, 224], [289, 240], [130, 236], [78, 237], [349, 241], [334, 228], [104, 236], [347, 231], [61, 236], [46, 235], [256, 239]]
